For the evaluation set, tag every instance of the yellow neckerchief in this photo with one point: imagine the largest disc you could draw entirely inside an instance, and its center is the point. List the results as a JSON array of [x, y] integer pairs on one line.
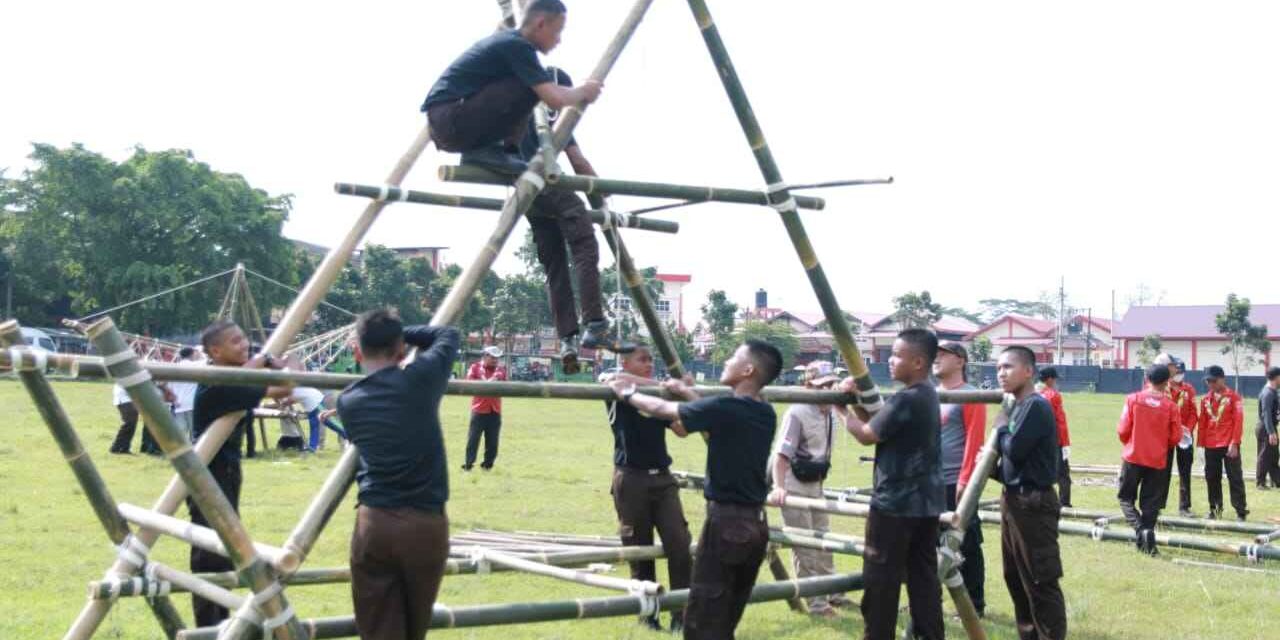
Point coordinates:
[[1177, 393], [1217, 403]]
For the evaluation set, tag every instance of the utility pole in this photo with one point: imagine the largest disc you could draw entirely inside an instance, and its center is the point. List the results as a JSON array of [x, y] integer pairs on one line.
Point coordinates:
[[1062, 303], [1115, 347], [1088, 340]]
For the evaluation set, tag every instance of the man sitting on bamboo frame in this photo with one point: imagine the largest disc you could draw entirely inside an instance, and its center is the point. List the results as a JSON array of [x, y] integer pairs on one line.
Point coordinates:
[[482, 107]]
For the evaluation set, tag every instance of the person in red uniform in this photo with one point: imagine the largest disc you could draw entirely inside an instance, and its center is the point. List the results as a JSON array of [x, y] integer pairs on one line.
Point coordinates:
[[1221, 427], [1049, 389], [1184, 454], [486, 411], [1150, 425]]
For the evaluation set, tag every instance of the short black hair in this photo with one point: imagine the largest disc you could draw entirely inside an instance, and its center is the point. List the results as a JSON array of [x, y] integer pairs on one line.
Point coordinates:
[[380, 331], [1048, 372], [1158, 373], [922, 341], [767, 359], [1273, 373], [544, 7], [1214, 371], [1024, 355], [212, 334], [186, 352]]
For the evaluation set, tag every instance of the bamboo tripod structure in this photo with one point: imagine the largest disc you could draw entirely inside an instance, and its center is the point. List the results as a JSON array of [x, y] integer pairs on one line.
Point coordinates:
[[267, 570]]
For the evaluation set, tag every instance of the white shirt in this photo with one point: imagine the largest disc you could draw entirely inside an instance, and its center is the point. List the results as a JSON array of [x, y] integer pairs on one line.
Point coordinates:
[[185, 391], [119, 396], [308, 397]]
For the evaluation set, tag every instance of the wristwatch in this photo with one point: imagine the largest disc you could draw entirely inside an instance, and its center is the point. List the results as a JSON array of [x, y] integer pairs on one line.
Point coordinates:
[[626, 395]]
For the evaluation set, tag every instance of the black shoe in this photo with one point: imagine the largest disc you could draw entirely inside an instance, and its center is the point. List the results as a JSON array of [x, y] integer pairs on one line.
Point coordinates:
[[120, 452], [597, 337], [569, 355], [1242, 516], [494, 158], [1214, 513], [466, 467], [486, 467], [1151, 543]]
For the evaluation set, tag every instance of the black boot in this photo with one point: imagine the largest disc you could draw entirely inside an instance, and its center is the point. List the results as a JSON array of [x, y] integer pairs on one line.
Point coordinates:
[[494, 158], [569, 355], [597, 337]]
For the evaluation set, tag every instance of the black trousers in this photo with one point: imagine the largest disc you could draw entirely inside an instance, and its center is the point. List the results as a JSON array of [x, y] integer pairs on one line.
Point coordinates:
[[645, 502], [1143, 487], [128, 425], [900, 548], [1184, 458], [1064, 480], [974, 569], [1268, 461], [1033, 563], [730, 550], [1165, 480], [498, 113], [397, 562], [1215, 461], [488, 425], [559, 219], [229, 478]]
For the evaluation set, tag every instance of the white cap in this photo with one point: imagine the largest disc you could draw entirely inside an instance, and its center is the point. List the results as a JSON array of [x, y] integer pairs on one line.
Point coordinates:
[[493, 350], [1164, 359]]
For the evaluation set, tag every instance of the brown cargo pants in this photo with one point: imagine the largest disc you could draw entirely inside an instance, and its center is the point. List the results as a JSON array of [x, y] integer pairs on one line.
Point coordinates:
[[397, 562]]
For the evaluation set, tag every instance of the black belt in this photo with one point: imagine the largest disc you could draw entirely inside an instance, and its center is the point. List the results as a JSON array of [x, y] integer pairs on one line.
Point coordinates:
[[1023, 489], [659, 471], [732, 509]]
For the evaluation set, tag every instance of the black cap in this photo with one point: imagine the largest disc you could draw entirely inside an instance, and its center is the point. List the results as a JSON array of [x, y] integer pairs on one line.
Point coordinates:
[[1214, 372], [954, 348]]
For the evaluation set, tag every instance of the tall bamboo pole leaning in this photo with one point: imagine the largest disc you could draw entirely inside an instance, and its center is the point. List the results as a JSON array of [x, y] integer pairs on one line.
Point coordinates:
[[91, 483], [782, 200], [279, 619], [531, 182]]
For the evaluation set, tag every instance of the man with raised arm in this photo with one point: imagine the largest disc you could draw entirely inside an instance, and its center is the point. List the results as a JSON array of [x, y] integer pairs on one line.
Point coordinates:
[[401, 537], [740, 430]]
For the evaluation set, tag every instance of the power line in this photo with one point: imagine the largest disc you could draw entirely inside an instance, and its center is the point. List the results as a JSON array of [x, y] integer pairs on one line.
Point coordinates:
[[156, 295], [281, 284]]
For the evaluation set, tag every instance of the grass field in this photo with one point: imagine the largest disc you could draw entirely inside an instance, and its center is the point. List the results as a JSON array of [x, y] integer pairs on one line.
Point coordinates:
[[553, 475]]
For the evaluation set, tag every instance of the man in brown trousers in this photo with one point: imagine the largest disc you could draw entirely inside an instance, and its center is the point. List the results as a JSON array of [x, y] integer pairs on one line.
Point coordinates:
[[401, 537]]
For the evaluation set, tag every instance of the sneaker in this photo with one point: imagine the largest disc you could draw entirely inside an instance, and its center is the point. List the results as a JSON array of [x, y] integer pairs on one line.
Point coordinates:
[[597, 337], [494, 158], [569, 355]]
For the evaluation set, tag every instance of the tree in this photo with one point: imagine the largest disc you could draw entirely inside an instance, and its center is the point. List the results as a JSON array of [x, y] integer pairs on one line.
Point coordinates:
[[88, 233], [778, 334], [520, 305], [855, 325], [683, 342], [963, 313], [1244, 339], [916, 310], [993, 308], [619, 305], [720, 317], [1150, 348], [981, 349]]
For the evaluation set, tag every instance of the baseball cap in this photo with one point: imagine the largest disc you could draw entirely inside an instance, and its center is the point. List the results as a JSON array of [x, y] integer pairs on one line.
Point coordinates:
[[493, 350], [1182, 366], [1164, 360], [954, 348], [1214, 372], [820, 373]]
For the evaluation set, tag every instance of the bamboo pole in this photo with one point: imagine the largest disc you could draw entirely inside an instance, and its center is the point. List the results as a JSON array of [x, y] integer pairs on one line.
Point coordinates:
[[594, 185], [1114, 470], [531, 182], [1174, 522], [304, 535], [644, 303], [87, 476], [193, 534], [490, 204], [786, 205], [580, 609], [90, 367], [204, 489], [638, 587], [779, 571]]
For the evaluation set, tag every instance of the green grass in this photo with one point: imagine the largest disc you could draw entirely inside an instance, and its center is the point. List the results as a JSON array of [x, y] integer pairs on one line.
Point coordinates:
[[553, 475]]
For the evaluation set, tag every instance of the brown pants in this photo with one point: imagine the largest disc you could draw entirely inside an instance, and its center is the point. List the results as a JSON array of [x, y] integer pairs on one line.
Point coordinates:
[[559, 218], [730, 551], [645, 502], [500, 112], [397, 562], [1033, 563], [229, 479], [898, 548]]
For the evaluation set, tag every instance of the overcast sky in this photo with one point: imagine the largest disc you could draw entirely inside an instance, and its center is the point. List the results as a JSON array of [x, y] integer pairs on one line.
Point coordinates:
[[1115, 143]]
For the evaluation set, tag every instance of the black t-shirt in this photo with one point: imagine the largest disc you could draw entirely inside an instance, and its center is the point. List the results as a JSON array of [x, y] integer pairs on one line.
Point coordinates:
[[741, 431], [393, 416], [908, 474], [213, 402], [639, 442], [529, 144], [1029, 453], [505, 54]]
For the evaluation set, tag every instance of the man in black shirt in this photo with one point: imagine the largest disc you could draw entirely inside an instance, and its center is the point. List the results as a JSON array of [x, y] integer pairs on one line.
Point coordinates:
[[227, 346], [401, 537], [645, 494], [740, 432], [1028, 466], [909, 494], [481, 104], [1268, 414]]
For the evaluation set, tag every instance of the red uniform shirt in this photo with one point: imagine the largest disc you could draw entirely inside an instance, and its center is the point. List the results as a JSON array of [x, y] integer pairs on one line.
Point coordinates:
[[1221, 419], [482, 404], [1055, 401], [1149, 426], [1184, 396], [975, 433]]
